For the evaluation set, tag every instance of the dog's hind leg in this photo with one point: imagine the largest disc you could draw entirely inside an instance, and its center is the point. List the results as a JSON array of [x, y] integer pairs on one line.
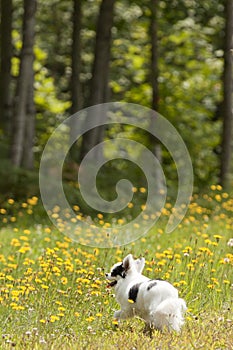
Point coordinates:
[[148, 329]]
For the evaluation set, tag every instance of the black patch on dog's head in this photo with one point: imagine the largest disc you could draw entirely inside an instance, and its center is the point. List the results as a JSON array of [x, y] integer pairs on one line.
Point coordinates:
[[118, 271], [151, 285], [133, 292]]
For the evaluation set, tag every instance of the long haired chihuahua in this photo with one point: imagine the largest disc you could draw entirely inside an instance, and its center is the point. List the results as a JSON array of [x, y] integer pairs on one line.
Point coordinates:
[[154, 301]]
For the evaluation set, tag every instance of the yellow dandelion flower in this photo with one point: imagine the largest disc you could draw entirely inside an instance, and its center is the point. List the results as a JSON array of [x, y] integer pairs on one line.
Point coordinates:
[[226, 282], [23, 238], [90, 319], [54, 318], [142, 189], [44, 286], [217, 237], [176, 284], [64, 280], [11, 201], [130, 205], [210, 286], [76, 208], [183, 282], [149, 269]]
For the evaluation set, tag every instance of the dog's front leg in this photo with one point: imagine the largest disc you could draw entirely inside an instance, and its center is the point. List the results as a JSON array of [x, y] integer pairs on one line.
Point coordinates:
[[123, 314], [117, 315]]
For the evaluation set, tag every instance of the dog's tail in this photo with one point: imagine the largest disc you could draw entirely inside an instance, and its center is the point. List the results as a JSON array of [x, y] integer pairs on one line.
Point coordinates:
[[169, 313]]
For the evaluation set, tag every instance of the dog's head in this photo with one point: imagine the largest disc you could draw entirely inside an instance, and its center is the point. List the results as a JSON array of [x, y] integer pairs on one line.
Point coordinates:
[[127, 267]]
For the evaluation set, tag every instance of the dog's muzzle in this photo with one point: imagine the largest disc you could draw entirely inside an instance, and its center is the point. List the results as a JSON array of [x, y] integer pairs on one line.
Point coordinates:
[[112, 283]]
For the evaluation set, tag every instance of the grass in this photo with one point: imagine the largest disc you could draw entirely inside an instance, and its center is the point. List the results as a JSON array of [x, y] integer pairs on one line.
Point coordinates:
[[53, 291]]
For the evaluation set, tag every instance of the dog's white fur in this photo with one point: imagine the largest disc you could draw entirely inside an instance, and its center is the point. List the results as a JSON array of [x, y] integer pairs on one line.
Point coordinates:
[[155, 301]]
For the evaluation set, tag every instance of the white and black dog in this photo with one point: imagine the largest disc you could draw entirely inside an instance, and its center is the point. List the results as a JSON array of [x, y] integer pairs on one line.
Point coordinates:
[[154, 301]]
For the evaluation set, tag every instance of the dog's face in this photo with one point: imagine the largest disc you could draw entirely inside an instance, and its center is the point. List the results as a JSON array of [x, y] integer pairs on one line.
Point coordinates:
[[121, 270]]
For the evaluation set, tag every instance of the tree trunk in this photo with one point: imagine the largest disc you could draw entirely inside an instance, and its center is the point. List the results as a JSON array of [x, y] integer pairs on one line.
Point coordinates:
[[100, 72], [22, 97], [227, 96], [154, 72], [28, 153], [5, 69], [76, 94]]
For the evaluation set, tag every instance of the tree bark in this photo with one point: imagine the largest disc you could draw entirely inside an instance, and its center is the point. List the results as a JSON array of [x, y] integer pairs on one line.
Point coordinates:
[[227, 106], [28, 154], [5, 69], [154, 73], [76, 94], [23, 83], [100, 72]]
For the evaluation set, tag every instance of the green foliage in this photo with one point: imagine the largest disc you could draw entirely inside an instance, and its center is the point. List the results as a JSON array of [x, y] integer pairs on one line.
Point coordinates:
[[190, 67]]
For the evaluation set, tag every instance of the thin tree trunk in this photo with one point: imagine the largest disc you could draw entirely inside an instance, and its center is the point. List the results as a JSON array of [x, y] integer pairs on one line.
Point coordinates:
[[5, 69], [76, 94], [100, 72], [23, 83], [154, 71], [154, 54], [28, 153], [227, 97]]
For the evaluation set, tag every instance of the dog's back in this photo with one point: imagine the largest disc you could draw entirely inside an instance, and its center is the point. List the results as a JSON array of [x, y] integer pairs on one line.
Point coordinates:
[[157, 302]]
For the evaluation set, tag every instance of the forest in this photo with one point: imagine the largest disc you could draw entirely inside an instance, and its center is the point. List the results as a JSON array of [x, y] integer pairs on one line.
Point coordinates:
[[60, 57], [116, 121]]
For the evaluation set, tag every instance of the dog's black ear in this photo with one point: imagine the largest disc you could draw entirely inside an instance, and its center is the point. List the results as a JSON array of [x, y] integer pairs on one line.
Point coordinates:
[[127, 262]]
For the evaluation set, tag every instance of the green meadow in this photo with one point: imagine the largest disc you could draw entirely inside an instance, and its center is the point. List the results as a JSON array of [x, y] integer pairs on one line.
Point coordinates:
[[54, 294]]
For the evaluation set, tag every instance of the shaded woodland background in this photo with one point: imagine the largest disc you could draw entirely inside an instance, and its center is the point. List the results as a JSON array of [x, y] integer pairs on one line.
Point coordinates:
[[58, 57]]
